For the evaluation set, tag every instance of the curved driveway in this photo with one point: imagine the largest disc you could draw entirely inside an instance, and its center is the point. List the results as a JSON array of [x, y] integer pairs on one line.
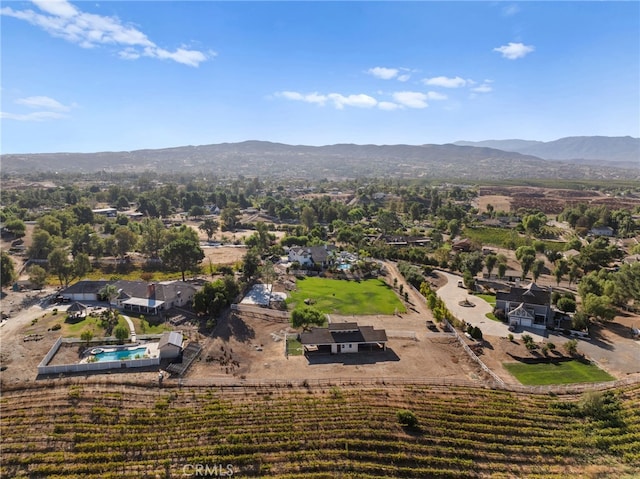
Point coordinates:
[[451, 294]]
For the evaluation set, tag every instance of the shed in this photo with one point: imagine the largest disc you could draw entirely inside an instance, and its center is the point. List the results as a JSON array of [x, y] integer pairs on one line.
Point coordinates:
[[170, 345]]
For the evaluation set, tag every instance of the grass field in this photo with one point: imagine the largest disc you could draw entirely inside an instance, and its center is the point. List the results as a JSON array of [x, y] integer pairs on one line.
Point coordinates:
[[489, 298], [372, 296], [557, 373], [503, 237], [294, 346]]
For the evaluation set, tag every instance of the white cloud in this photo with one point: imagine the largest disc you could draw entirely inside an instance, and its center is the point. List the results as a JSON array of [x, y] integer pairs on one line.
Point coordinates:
[[445, 82], [484, 88], [338, 100], [411, 99], [388, 105], [42, 102], [359, 101], [510, 10], [434, 95], [35, 116], [383, 73], [404, 77], [63, 20], [513, 51]]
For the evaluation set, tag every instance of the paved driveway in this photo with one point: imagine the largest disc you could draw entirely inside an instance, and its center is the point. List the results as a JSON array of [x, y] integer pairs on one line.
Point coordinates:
[[452, 294]]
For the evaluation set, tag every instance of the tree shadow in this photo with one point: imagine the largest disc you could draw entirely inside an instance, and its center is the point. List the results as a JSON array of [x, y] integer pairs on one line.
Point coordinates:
[[232, 325]]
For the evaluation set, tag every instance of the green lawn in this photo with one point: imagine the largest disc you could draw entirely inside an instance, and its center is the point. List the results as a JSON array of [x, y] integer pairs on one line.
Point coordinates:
[[501, 237], [143, 327], [489, 298], [294, 347], [372, 296], [557, 373]]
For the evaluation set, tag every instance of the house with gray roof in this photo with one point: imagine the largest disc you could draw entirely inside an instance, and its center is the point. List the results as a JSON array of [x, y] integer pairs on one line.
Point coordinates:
[[151, 298], [344, 338], [170, 345], [528, 307]]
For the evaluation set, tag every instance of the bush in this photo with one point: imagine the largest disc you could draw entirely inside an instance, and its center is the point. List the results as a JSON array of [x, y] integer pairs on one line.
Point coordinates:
[[510, 337], [56, 326], [407, 418], [571, 347]]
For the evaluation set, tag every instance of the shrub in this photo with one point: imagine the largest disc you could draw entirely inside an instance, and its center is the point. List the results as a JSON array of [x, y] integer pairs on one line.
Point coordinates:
[[56, 326], [407, 418], [510, 337], [571, 347]]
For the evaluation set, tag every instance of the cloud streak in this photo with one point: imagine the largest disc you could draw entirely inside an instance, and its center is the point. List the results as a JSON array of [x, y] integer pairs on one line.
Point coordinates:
[[61, 19], [513, 51], [48, 109], [445, 82]]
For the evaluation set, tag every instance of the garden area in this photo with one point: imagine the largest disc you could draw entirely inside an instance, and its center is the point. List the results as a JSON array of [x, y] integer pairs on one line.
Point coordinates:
[[335, 296]]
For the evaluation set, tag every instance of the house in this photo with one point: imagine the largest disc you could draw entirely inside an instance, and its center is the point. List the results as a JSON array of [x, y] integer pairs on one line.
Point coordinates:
[[151, 298], [510, 275], [344, 338], [170, 345], [462, 245], [85, 290], [312, 255], [136, 296], [601, 231], [108, 212], [528, 307]]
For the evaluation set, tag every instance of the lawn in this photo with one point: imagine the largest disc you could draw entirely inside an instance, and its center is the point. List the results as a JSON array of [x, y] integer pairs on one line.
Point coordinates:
[[557, 373], [294, 346], [143, 327], [372, 296], [489, 298], [502, 237]]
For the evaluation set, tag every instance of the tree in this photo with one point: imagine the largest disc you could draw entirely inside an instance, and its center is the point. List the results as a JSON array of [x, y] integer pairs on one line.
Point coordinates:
[[562, 268], [308, 217], [125, 240], [121, 333], [388, 221], [41, 245], [37, 276], [16, 227], [571, 347], [153, 237], [183, 254], [598, 307], [533, 223], [60, 265], [490, 262], [526, 262], [407, 418], [566, 305], [250, 264], [229, 216], [87, 336], [209, 226], [502, 269], [109, 292], [305, 316], [7, 270], [537, 269]]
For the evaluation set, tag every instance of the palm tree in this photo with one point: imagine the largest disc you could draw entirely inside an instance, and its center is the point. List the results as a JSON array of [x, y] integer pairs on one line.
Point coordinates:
[[110, 292]]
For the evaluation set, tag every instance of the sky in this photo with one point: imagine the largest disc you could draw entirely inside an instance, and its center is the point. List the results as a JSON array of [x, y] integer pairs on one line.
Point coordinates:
[[88, 76]]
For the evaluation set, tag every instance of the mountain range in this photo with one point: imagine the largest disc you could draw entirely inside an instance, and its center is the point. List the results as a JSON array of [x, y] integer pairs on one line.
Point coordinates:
[[464, 161]]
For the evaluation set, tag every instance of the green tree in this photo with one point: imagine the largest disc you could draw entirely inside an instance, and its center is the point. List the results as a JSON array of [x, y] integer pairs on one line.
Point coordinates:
[[16, 227], [110, 293], [125, 240], [41, 245], [121, 333], [60, 265], [229, 216], [87, 336], [37, 276], [502, 269], [183, 254], [490, 262], [537, 269], [533, 223], [153, 237], [250, 264], [304, 316], [526, 262], [566, 305], [7, 270], [598, 307], [308, 217], [571, 347], [562, 268], [209, 226], [407, 418]]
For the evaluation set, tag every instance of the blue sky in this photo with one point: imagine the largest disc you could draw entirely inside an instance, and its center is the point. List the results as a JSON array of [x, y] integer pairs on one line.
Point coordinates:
[[116, 75]]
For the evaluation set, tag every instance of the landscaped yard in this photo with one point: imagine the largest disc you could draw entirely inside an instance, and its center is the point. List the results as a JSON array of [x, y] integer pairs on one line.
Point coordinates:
[[489, 298], [372, 296], [294, 346], [557, 373]]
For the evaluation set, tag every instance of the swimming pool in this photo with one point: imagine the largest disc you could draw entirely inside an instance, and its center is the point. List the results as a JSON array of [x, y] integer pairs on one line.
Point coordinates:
[[121, 354], [344, 266]]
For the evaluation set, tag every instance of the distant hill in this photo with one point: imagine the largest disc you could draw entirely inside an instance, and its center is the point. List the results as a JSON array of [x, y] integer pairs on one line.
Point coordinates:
[[266, 159], [617, 151]]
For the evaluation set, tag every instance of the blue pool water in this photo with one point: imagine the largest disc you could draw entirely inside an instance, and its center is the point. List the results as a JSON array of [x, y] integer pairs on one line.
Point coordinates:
[[121, 354], [344, 266]]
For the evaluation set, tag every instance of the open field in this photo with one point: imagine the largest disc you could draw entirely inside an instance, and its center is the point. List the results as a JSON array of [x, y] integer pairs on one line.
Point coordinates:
[[564, 372], [372, 296], [107, 431], [501, 237]]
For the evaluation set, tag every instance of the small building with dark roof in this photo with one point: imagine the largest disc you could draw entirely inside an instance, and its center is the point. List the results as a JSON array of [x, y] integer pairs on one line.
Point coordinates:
[[528, 307], [344, 338], [85, 290]]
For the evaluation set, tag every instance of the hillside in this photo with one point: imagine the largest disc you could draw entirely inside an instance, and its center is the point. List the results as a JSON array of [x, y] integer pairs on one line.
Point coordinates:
[[250, 158], [621, 151], [101, 431]]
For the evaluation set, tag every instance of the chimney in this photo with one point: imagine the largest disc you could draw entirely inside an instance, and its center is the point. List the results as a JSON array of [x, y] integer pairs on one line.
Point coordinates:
[[151, 290]]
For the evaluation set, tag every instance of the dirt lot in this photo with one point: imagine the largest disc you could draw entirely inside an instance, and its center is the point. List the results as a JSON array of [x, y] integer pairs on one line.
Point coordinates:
[[548, 200]]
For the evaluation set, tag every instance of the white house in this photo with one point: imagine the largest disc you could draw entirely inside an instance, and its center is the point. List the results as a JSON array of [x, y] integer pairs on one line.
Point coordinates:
[[344, 338], [310, 255], [601, 231], [528, 307]]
